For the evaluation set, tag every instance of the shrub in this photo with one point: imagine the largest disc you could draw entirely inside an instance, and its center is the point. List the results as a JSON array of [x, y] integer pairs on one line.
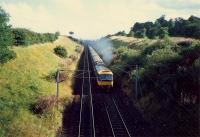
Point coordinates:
[[44, 104], [73, 57], [163, 32], [78, 49], [140, 33], [51, 76], [6, 55], [161, 55], [60, 51]]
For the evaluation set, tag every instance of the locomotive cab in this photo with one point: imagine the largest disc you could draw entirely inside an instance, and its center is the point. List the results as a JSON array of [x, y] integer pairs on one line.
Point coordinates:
[[104, 76]]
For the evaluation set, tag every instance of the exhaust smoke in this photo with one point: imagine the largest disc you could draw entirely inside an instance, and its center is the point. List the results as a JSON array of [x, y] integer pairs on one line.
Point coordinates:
[[104, 47]]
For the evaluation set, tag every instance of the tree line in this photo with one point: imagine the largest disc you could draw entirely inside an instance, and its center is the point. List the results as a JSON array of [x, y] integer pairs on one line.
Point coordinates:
[[19, 37], [25, 37], [162, 28]]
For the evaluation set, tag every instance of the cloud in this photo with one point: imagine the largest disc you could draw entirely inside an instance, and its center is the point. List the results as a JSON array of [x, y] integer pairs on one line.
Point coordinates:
[[23, 15], [93, 19], [179, 4]]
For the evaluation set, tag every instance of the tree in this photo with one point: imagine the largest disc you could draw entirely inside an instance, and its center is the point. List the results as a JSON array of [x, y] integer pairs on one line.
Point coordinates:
[[163, 32], [192, 29], [57, 34], [120, 33], [131, 34], [153, 33], [71, 33], [162, 21], [5, 29], [137, 27], [140, 33], [6, 38], [171, 25], [148, 26]]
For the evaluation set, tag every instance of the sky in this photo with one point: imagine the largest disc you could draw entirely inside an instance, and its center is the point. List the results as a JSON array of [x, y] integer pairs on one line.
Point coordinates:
[[92, 19]]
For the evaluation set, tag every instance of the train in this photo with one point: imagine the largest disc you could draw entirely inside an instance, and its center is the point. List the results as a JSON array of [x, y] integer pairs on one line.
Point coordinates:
[[104, 75]]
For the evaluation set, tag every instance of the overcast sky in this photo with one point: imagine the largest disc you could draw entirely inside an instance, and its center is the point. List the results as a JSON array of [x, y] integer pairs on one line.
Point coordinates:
[[91, 19]]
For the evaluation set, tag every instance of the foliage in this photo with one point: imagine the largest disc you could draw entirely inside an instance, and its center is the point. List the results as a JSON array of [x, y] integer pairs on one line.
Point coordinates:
[[25, 37], [174, 27], [160, 61], [73, 57], [163, 32], [160, 56], [140, 33], [44, 104], [6, 55], [120, 33], [60, 51], [5, 38], [78, 49]]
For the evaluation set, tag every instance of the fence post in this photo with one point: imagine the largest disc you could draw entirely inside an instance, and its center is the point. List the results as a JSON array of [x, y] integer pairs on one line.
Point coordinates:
[[136, 83], [57, 83]]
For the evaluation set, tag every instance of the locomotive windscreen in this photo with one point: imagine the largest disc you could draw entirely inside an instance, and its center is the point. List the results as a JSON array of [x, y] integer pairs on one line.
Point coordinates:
[[106, 77]]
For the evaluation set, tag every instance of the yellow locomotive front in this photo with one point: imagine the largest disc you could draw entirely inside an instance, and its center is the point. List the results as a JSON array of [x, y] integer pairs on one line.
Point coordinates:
[[104, 76]]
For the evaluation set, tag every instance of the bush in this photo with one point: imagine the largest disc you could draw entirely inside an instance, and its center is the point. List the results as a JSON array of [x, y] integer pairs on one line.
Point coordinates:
[[140, 33], [163, 32], [60, 51], [73, 57], [6, 55], [44, 104], [161, 55], [78, 49]]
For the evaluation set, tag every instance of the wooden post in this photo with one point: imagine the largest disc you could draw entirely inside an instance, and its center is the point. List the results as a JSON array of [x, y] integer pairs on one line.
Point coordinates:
[[57, 82], [136, 83]]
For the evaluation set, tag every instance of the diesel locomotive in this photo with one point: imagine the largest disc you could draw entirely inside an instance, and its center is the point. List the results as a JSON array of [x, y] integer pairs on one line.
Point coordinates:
[[104, 75]]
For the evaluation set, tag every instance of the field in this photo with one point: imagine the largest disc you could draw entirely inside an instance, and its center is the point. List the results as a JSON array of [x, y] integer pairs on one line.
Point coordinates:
[[24, 80]]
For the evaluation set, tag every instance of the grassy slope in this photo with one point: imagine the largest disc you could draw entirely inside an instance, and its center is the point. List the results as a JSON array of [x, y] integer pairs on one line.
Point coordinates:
[[22, 81]]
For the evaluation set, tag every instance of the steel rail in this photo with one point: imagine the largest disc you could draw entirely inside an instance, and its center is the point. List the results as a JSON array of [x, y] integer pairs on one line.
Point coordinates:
[[109, 120], [121, 118], [91, 99], [80, 116]]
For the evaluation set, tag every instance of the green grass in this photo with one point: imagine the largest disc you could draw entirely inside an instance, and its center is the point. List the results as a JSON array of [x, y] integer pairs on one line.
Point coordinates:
[[22, 82]]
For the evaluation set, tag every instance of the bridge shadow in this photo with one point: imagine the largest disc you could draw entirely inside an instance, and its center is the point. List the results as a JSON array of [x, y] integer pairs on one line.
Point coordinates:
[[78, 75]]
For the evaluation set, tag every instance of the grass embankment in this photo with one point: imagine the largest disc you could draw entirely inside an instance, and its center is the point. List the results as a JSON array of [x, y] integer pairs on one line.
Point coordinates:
[[168, 76], [24, 80]]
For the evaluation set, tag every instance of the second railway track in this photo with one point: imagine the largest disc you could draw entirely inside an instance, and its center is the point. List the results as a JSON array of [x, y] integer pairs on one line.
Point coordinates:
[[116, 121]]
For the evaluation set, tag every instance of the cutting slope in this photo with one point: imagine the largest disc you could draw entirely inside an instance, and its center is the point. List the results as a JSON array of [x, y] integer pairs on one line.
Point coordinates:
[[24, 80]]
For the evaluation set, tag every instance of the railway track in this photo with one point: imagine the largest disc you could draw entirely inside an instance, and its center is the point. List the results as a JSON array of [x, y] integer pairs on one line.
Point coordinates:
[[86, 119], [116, 121], [95, 113]]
